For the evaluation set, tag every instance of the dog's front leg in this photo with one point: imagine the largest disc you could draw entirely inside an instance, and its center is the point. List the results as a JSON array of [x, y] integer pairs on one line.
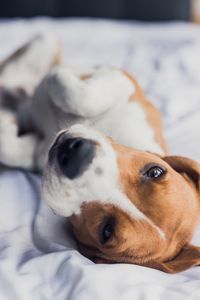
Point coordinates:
[[87, 95], [15, 151]]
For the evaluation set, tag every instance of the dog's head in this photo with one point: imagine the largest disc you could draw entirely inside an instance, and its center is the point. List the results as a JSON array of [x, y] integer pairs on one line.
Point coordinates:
[[125, 205]]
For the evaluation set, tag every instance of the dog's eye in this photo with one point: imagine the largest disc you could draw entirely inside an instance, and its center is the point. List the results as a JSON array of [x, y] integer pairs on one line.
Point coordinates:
[[107, 230], [154, 172]]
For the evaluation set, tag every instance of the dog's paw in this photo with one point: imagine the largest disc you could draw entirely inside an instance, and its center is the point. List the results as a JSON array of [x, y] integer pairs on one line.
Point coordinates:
[[88, 95], [15, 151], [32, 61]]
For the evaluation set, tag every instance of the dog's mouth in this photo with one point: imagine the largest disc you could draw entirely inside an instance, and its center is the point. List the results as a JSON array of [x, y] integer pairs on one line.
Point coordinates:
[[72, 154]]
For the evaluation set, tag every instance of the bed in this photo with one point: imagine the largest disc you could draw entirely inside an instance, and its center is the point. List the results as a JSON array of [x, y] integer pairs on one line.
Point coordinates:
[[38, 256]]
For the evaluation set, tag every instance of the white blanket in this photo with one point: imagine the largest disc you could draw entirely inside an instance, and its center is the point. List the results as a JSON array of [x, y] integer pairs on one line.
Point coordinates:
[[38, 257]]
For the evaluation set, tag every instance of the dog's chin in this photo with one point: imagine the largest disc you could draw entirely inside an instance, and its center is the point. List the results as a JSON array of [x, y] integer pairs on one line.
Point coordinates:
[[99, 260]]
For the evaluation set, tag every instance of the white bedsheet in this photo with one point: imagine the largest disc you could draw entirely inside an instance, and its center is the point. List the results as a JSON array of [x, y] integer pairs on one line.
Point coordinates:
[[38, 257]]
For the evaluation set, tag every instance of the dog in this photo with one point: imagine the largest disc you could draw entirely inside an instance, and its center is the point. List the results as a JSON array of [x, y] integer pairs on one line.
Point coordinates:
[[107, 168]]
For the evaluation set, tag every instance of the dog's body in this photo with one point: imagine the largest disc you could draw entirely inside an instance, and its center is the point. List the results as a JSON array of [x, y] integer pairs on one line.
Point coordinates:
[[108, 99], [127, 201]]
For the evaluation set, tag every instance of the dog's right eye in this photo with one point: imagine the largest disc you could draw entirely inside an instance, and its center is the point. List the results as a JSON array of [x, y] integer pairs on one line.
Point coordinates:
[[153, 171]]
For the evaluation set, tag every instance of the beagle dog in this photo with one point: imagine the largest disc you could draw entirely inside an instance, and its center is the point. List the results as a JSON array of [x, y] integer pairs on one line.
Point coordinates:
[[108, 169]]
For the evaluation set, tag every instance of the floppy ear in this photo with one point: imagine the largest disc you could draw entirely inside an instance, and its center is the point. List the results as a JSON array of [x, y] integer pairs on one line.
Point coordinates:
[[186, 167], [187, 258]]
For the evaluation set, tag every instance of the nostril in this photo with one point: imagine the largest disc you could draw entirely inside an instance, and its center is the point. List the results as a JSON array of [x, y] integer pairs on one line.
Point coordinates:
[[63, 160], [69, 152], [77, 143]]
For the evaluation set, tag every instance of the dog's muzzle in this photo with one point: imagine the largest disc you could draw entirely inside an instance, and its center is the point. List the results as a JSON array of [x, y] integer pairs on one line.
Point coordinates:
[[73, 155]]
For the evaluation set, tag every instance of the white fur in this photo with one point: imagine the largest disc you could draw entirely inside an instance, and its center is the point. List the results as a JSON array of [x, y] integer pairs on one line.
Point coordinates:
[[66, 196], [127, 123], [101, 101]]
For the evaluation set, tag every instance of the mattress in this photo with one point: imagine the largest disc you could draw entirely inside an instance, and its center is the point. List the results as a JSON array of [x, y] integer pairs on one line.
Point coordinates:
[[38, 256]]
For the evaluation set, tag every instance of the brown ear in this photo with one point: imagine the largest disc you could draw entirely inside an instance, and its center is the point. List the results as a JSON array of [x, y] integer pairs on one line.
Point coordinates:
[[187, 258], [186, 167]]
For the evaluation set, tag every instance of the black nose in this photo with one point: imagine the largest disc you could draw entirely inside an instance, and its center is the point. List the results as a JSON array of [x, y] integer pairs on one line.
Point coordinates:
[[74, 155]]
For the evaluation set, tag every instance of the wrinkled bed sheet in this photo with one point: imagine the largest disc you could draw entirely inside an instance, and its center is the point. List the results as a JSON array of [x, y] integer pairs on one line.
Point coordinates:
[[38, 257]]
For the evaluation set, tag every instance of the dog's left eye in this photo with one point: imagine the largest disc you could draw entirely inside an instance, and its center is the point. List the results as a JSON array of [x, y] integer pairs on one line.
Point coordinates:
[[154, 172], [107, 230]]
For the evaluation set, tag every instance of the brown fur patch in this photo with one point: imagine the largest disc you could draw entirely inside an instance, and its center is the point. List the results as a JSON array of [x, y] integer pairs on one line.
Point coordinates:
[[153, 114]]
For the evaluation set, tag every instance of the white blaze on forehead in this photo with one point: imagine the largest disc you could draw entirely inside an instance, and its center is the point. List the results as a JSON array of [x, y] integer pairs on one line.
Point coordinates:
[[66, 196]]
